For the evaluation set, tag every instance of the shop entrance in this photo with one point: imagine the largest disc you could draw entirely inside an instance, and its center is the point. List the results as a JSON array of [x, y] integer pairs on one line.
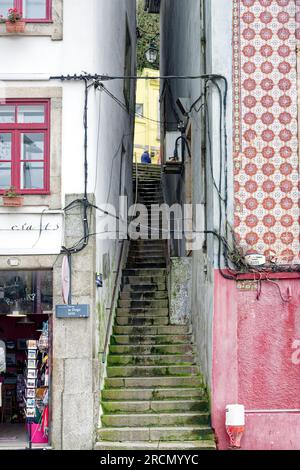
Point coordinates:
[[26, 301]]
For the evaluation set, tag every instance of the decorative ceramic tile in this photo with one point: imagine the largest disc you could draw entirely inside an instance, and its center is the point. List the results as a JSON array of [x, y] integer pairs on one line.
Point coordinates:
[[265, 127]]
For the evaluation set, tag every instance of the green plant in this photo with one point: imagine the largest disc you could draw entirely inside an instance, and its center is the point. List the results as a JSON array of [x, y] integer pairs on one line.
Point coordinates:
[[11, 192]]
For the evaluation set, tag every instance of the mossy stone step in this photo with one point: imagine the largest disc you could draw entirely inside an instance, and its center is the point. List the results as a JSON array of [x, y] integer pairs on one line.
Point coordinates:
[[153, 330], [151, 371], [156, 445], [142, 320], [152, 340], [147, 309], [145, 264], [154, 419], [150, 359], [167, 433], [144, 304], [165, 406], [143, 349], [133, 281], [145, 272], [154, 382], [150, 295], [154, 394], [141, 288]]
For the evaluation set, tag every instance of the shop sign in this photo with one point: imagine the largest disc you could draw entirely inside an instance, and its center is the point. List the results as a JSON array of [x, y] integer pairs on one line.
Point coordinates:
[[72, 311], [31, 233]]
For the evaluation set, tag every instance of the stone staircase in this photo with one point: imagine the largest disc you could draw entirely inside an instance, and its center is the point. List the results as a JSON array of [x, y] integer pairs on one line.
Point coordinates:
[[153, 396]]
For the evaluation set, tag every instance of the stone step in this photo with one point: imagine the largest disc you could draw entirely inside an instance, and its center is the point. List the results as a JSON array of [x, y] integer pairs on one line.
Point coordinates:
[[150, 360], [151, 371], [150, 251], [142, 321], [164, 406], [172, 433], [144, 304], [152, 394], [154, 330], [135, 288], [149, 340], [146, 254], [131, 311], [144, 295], [149, 178], [147, 314], [191, 381], [156, 445], [154, 419], [145, 272], [145, 264], [146, 349], [147, 245], [155, 194], [144, 280]]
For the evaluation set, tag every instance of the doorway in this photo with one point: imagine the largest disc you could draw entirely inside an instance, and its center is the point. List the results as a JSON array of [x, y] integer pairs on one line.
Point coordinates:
[[26, 302]]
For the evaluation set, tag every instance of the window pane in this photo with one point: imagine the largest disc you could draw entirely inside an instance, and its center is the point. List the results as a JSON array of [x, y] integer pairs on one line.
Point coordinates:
[[5, 146], [32, 146], [5, 5], [139, 109], [27, 291], [7, 114], [32, 175], [5, 175], [28, 114], [34, 9]]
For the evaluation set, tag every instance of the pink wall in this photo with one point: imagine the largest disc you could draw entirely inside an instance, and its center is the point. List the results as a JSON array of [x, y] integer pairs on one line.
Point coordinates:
[[256, 361]]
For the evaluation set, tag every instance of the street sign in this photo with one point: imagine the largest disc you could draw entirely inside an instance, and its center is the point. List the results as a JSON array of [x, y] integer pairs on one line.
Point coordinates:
[[72, 311]]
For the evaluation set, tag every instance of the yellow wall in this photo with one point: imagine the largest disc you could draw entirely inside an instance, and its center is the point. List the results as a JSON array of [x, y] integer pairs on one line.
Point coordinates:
[[147, 132]]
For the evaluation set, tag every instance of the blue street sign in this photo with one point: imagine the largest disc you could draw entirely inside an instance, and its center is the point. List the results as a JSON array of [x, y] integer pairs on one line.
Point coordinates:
[[72, 311]]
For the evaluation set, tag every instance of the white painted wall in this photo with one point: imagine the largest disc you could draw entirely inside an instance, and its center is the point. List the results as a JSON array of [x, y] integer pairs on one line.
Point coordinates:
[[181, 55], [93, 42]]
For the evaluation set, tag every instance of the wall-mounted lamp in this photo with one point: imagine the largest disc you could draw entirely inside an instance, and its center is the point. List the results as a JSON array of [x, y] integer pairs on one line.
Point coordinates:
[[152, 53]]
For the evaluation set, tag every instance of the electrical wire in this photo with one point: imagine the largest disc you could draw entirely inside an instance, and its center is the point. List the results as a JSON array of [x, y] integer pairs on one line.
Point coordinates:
[[130, 111]]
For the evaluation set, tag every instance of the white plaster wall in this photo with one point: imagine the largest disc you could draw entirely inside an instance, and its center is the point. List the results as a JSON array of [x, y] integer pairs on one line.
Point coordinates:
[[93, 42], [181, 54]]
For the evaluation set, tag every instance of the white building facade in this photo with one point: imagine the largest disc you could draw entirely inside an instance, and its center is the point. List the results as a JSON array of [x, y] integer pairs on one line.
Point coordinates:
[[64, 145]]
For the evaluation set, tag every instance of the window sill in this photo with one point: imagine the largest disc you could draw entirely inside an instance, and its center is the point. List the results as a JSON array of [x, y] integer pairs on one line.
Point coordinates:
[[51, 29]]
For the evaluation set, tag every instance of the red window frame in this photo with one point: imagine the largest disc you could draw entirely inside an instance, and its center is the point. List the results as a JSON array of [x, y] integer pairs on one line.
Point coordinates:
[[19, 5], [16, 129]]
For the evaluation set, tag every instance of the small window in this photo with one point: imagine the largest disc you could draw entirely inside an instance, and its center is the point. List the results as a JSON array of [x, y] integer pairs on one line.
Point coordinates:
[[128, 67], [24, 146], [32, 10], [139, 109]]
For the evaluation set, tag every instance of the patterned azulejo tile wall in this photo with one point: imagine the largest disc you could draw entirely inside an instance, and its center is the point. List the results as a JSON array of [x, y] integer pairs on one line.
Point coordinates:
[[266, 159]]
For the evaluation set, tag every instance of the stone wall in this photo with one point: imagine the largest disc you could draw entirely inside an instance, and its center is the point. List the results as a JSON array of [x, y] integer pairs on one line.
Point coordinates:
[[180, 287], [75, 364]]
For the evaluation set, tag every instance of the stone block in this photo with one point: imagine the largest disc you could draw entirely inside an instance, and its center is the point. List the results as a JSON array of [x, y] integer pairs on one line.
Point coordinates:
[[180, 290], [78, 376], [78, 421]]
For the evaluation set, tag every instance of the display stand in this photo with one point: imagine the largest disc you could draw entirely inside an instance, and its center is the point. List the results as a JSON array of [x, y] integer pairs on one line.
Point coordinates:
[[30, 394]]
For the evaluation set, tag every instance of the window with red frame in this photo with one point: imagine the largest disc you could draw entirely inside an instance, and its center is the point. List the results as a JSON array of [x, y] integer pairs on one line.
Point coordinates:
[[32, 10], [24, 146]]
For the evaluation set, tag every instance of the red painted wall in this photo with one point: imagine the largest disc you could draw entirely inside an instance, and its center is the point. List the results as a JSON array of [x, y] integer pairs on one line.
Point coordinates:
[[256, 361]]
